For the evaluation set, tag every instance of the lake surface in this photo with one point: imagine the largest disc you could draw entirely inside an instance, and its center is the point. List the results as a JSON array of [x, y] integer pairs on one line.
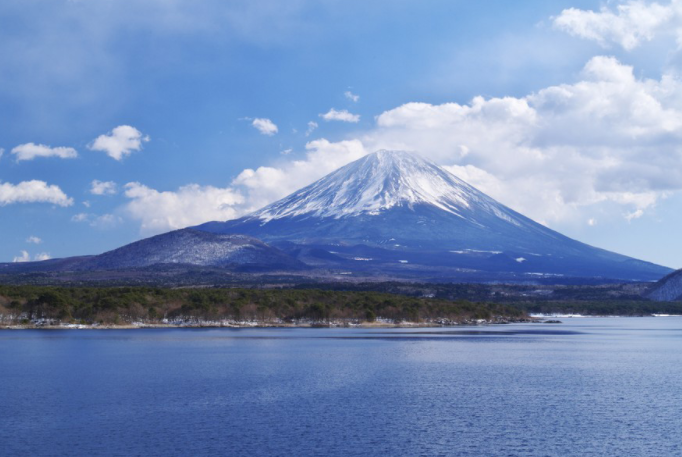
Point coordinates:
[[587, 387]]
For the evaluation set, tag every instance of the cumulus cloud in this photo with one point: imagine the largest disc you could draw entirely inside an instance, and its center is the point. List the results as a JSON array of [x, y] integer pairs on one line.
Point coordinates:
[[160, 211], [312, 125], [636, 214], [32, 192], [609, 137], [343, 116], [103, 187], [24, 257], [120, 142], [267, 184], [351, 96], [265, 126], [30, 151], [103, 222], [80, 217], [628, 26], [608, 140], [106, 221], [33, 240]]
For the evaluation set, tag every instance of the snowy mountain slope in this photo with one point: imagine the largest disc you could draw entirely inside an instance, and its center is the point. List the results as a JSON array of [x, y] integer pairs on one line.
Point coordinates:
[[379, 182], [399, 212], [192, 247], [391, 188]]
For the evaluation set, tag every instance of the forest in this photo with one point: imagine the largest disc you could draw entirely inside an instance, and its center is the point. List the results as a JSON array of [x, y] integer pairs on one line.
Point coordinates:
[[120, 305]]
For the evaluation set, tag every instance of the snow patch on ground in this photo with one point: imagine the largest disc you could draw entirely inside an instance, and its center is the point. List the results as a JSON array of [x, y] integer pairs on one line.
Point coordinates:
[[475, 251]]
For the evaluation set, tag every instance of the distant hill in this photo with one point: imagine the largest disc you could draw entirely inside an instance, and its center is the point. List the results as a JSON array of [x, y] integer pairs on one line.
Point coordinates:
[[667, 289], [194, 247], [180, 247]]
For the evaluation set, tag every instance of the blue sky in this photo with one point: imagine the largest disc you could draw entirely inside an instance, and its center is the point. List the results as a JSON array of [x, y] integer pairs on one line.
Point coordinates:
[[121, 119]]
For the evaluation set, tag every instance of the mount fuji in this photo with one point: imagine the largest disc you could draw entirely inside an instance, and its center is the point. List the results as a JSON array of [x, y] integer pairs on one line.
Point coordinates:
[[394, 213], [388, 216]]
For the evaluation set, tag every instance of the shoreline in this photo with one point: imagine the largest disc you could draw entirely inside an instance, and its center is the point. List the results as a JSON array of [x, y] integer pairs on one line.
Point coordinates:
[[379, 323], [255, 324]]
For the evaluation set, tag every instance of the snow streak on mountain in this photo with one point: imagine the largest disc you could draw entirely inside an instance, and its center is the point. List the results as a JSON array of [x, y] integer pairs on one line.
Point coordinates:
[[192, 247]]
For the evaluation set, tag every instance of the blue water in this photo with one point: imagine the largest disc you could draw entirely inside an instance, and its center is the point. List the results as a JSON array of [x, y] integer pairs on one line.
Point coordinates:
[[588, 387]]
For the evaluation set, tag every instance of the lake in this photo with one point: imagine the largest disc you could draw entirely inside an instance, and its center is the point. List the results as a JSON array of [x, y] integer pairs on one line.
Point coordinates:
[[587, 387]]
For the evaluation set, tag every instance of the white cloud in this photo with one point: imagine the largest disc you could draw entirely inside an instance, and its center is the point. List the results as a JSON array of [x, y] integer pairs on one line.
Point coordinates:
[[106, 221], [103, 188], [609, 140], [160, 211], [30, 151], [609, 137], [312, 125], [267, 184], [80, 217], [103, 222], [343, 116], [120, 142], [265, 126], [24, 257], [189, 205], [193, 204], [33, 240], [2, 151], [351, 96], [636, 214], [33, 192], [628, 26]]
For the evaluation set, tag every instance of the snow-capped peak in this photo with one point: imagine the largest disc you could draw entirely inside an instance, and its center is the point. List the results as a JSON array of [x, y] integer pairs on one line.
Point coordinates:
[[378, 182]]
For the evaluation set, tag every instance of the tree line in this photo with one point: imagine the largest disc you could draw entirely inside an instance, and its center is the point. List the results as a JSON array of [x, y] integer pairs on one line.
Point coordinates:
[[149, 304]]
